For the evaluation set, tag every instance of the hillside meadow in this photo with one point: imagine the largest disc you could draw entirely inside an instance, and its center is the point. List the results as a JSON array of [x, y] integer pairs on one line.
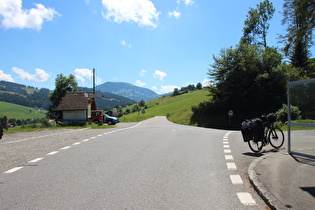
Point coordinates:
[[177, 108], [14, 111]]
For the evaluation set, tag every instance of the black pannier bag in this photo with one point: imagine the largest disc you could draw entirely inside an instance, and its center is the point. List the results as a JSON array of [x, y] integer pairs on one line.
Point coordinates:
[[252, 129], [272, 117]]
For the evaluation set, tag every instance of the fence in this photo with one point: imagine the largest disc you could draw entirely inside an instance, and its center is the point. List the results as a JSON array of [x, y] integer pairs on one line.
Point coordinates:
[[302, 94]]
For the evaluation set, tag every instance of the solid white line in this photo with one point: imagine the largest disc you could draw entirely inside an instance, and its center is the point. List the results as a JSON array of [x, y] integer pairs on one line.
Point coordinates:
[[236, 179], [226, 146], [246, 199], [231, 166], [52, 153], [67, 147], [227, 151], [12, 170], [35, 160], [229, 157]]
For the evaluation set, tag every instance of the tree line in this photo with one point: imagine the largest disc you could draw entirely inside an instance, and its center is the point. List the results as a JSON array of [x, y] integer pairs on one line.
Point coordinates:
[[251, 77]]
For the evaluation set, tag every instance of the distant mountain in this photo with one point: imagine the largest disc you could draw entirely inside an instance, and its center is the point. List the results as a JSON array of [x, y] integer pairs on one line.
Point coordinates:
[[128, 90], [33, 97]]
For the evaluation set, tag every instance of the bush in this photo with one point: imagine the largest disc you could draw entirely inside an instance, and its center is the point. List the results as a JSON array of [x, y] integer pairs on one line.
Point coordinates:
[[282, 113]]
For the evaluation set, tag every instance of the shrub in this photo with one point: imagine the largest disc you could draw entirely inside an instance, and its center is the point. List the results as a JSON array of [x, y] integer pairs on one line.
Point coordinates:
[[282, 113]]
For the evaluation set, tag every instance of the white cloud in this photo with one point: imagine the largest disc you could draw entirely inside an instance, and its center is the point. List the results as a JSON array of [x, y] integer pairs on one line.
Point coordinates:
[[142, 12], [87, 2], [14, 16], [207, 83], [142, 73], [175, 14], [187, 2], [85, 76], [124, 43], [39, 76], [159, 75], [164, 89], [5, 77], [140, 84]]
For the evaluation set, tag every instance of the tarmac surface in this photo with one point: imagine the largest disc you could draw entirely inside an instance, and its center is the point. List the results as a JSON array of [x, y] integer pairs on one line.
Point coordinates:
[[284, 181]]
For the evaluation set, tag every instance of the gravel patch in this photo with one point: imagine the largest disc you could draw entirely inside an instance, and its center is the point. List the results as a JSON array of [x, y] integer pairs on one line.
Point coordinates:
[[19, 148]]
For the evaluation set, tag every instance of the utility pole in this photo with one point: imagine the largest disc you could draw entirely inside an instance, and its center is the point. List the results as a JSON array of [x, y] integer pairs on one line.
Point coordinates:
[[94, 81]]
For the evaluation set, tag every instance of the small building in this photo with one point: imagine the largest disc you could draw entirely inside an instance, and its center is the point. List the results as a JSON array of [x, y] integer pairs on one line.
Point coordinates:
[[76, 108]]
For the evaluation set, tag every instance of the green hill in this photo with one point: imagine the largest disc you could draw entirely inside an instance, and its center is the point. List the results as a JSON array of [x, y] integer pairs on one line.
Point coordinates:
[[14, 111], [177, 109]]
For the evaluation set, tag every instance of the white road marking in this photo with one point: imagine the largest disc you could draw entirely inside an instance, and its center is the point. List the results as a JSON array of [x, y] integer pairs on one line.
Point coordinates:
[[93, 137], [85, 140], [100, 135], [229, 157], [231, 166], [236, 179], [246, 199], [226, 146], [12, 170], [225, 142], [77, 143], [227, 151], [36, 160], [52, 153], [225, 139], [67, 147]]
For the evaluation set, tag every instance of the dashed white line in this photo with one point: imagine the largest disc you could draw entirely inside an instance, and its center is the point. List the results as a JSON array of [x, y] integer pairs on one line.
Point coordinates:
[[226, 146], [64, 148], [36, 160], [13, 170], [246, 199], [53, 153], [231, 166], [225, 142], [227, 151], [77, 143], [229, 157], [236, 179]]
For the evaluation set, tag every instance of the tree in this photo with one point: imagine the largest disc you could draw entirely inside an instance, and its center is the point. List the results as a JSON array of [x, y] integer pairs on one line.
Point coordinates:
[[257, 24], [199, 86], [141, 103], [176, 92], [299, 16], [64, 85], [248, 80]]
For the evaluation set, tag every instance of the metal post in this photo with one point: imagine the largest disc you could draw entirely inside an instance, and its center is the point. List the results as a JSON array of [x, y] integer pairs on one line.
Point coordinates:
[[289, 118]]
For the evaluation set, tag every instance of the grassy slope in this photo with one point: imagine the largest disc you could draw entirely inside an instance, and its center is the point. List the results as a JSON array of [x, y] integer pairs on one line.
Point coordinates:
[[14, 111], [177, 108]]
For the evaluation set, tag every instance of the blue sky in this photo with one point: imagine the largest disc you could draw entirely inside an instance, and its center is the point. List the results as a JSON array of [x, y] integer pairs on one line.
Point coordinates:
[[156, 44]]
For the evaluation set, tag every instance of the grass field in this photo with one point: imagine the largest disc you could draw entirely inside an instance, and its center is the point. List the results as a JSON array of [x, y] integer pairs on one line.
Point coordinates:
[[177, 109], [14, 111]]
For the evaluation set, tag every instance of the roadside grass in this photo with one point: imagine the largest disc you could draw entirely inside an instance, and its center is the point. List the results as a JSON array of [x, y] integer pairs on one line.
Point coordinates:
[[298, 128], [38, 127]]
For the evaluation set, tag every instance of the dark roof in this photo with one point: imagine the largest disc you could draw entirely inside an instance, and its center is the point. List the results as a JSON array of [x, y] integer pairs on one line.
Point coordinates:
[[73, 101]]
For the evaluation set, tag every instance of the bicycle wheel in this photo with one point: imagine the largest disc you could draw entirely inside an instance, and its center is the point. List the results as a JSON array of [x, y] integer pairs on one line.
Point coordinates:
[[255, 145], [276, 137]]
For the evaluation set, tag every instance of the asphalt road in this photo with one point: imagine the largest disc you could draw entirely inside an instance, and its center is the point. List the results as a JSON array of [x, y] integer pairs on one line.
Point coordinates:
[[155, 164]]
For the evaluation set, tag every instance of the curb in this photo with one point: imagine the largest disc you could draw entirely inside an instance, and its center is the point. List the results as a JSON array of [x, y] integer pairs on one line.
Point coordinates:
[[262, 191]]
